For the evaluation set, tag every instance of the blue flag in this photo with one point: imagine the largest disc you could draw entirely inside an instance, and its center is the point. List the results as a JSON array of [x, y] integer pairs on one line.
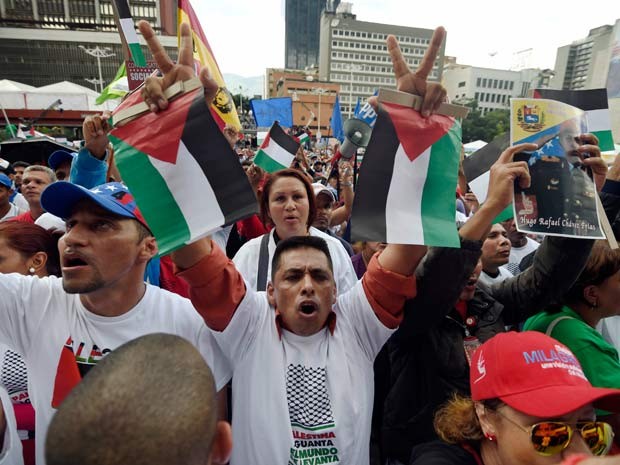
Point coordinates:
[[336, 121], [266, 112], [357, 108], [366, 113]]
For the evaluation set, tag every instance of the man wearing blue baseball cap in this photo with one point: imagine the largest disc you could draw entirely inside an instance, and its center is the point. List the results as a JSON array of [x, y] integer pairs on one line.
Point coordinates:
[[7, 209], [64, 326], [60, 161]]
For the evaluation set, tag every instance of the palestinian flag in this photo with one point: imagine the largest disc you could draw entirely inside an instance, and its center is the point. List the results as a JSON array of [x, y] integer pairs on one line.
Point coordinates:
[[128, 31], [277, 151], [303, 137], [594, 102], [118, 88], [477, 170], [223, 108], [186, 179], [407, 184]]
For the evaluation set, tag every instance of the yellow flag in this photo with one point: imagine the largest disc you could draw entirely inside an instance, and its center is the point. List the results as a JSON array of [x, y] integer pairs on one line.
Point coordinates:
[[223, 107]]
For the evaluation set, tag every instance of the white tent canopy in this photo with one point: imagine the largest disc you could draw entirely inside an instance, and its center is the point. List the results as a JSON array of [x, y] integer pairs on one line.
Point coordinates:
[[18, 96], [471, 147]]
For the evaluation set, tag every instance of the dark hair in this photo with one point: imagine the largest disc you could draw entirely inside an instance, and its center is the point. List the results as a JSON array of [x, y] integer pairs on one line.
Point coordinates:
[[602, 263], [20, 164], [299, 242], [28, 239], [287, 173], [150, 401]]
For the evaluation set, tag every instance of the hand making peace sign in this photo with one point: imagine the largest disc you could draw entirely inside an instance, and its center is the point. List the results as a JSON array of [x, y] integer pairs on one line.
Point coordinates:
[[154, 87]]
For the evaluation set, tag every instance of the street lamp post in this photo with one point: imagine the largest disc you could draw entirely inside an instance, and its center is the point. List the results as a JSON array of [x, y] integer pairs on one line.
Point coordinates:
[[320, 91], [241, 100], [98, 53]]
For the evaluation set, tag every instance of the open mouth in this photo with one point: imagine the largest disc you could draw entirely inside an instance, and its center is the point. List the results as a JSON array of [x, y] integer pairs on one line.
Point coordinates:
[[73, 262], [308, 308]]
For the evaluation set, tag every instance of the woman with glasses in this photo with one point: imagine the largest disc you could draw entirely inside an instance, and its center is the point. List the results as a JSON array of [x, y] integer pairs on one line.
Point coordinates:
[[594, 296], [530, 404]]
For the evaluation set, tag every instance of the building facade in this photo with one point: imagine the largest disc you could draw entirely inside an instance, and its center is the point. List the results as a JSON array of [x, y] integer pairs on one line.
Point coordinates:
[[313, 100], [584, 64], [490, 88], [40, 39], [302, 25]]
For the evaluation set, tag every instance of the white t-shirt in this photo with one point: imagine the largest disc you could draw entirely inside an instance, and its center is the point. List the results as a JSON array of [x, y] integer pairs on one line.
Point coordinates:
[[21, 202], [13, 211], [610, 329], [246, 261], [11, 453], [503, 274], [296, 397], [519, 253], [61, 340]]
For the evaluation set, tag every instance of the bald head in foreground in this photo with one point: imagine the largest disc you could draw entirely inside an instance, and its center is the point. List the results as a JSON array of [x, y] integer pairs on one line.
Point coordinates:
[[151, 401]]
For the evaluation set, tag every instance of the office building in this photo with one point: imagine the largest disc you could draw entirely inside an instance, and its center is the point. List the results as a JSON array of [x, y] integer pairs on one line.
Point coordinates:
[[313, 100], [584, 64], [491, 88], [40, 39], [302, 24], [353, 54]]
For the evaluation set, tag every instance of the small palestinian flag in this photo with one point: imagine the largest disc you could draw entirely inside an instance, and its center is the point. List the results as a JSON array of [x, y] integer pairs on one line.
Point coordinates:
[[277, 151], [185, 177], [303, 138], [407, 184], [477, 170], [129, 31], [594, 102]]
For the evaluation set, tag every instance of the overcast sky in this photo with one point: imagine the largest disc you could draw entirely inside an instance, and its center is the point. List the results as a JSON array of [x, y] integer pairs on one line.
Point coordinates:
[[247, 36]]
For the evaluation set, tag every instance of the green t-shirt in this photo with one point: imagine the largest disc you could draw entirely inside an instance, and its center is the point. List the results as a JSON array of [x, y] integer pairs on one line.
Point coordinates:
[[597, 357]]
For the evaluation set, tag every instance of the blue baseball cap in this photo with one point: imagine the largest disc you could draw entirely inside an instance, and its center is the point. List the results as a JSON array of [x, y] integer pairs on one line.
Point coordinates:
[[61, 197], [6, 181], [59, 156]]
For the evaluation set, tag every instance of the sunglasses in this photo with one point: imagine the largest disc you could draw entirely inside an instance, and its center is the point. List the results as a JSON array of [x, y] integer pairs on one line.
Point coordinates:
[[552, 437]]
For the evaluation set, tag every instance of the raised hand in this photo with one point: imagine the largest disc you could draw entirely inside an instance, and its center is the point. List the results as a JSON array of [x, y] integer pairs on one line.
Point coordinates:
[[433, 94], [503, 175], [594, 161], [154, 87], [95, 129]]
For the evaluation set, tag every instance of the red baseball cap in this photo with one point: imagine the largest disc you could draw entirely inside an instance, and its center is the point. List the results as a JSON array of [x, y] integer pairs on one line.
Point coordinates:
[[536, 375]]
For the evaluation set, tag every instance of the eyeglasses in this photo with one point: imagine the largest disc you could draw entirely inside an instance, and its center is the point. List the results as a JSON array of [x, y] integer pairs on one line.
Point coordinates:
[[552, 437]]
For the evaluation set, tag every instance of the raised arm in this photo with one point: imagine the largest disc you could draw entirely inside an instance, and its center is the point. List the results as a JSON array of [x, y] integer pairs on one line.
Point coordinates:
[[342, 213], [444, 272]]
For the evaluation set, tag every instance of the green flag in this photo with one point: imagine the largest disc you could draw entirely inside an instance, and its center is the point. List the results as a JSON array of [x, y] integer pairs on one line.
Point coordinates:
[[117, 88]]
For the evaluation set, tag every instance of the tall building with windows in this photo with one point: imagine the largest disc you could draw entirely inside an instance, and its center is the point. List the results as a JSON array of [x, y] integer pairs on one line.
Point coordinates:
[[40, 39], [492, 89], [584, 63], [302, 24], [354, 54]]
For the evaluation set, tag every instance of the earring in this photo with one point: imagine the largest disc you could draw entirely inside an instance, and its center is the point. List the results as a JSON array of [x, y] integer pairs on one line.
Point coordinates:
[[490, 437], [31, 270], [594, 306]]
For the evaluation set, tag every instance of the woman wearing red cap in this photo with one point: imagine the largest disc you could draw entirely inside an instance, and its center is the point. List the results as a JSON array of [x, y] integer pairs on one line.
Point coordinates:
[[530, 404]]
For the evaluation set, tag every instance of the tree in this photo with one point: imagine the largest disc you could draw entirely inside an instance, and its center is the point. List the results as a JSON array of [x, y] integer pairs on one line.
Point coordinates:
[[487, 127]]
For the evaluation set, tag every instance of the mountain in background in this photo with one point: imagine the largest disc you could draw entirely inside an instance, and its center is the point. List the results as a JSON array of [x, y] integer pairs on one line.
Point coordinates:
[[251, 86]]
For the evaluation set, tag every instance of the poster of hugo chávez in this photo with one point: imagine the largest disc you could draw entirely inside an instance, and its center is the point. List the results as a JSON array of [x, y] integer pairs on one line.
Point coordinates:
[[561, 199]]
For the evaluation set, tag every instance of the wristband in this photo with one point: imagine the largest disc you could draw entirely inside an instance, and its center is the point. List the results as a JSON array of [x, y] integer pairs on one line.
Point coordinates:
[[346, 184]]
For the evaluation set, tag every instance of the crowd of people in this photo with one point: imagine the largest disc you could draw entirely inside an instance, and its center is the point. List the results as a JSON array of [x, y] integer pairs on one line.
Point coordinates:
[[278, 340]]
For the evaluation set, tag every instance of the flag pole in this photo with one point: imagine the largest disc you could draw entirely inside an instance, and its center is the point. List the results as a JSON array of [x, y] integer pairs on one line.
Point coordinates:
[[8, 123]]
